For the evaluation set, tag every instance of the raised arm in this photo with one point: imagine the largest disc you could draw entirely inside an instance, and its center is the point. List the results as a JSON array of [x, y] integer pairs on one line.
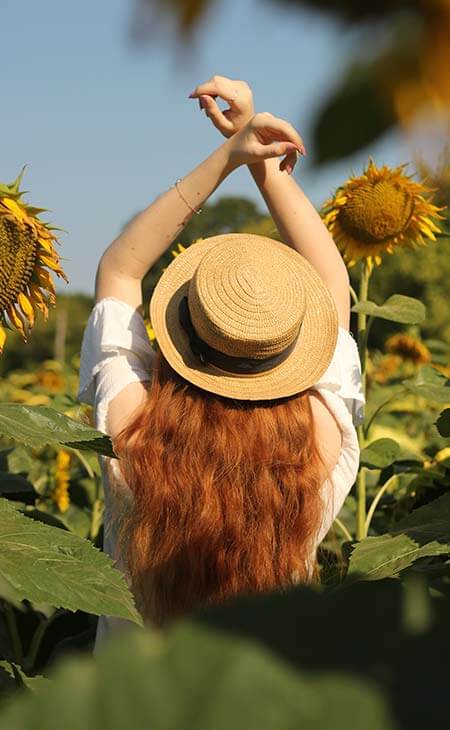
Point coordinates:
[[128, 258], [298, 222], [301, 227]]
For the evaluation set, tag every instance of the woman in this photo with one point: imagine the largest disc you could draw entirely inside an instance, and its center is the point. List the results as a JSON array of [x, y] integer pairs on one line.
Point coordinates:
[[237, 438]]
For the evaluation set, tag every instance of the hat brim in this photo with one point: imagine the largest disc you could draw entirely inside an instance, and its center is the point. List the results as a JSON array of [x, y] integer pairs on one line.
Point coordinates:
[[302, 368]]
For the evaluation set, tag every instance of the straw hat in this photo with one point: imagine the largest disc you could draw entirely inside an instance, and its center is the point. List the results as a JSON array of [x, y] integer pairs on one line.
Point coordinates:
[[244, 316]]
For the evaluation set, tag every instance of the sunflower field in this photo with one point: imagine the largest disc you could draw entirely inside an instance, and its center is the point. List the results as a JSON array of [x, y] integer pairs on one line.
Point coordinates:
[[369, 642]]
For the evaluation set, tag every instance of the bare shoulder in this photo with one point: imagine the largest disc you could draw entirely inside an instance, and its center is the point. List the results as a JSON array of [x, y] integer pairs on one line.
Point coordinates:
[[123, 406], [328, 431]]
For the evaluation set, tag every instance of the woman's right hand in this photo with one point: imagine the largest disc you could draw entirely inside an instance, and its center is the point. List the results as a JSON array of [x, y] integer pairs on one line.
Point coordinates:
[[263, 137]]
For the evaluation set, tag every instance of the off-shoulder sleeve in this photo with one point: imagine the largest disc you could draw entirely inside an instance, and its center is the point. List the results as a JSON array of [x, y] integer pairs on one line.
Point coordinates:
[[343, 375], [115, 347]]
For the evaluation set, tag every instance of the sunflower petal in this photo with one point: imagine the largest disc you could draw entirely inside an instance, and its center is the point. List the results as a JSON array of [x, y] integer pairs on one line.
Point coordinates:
[[26, 307], [16, 320], [2, 338]]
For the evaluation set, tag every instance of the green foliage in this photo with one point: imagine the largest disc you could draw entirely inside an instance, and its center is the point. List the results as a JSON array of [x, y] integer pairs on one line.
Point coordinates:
[[397, 308], [72, 311], [429, 384], [420, 273], [301, 659], [46, 565], [39, 425], [425, 532]]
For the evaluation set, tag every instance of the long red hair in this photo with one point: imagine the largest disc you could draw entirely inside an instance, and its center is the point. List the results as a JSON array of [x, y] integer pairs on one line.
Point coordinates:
[[226, 496]]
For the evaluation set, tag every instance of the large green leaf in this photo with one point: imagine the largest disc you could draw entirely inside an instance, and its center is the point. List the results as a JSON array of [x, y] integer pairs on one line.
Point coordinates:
[[429, 383], [47, 565], [379, 453], [425, 532], [37, 426], [397, 308]]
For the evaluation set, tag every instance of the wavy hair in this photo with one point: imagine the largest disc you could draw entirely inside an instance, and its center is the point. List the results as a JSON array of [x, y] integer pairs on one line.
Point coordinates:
[[226, 496]]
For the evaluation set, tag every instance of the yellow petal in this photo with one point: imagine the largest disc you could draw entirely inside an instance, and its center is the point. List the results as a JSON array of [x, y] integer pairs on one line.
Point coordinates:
[[16, 320], [35, 292], [50, 262], [26, 307], [46, 244], [45, 280], [2, 338], [428, 232], [14, 208]]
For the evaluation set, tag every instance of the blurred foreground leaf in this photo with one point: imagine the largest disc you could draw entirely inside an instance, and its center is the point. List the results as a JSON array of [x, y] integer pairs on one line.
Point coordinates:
[[300, 659]]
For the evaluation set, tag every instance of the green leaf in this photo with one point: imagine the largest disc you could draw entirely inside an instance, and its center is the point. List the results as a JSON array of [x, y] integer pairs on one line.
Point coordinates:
[[425, 532], [18, 677], [14, 484], [379, 453], [443, 423], [429, 383], [48, 565], [397, 308], [37, 426]]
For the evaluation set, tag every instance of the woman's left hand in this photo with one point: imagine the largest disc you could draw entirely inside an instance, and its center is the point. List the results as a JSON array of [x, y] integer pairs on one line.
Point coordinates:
[[237, 94], [263, 137]]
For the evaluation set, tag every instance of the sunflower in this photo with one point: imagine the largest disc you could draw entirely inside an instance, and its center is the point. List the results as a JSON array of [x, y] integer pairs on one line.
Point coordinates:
[[27, 254], [408, 348], [386, 368], [62, 472], [380, 209]]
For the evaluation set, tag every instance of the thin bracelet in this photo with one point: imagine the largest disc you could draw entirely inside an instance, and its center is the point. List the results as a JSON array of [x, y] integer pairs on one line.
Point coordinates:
[[182, 196]]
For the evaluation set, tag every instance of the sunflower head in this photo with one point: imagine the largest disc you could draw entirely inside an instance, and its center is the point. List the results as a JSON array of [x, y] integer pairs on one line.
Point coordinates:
[[409, 348], [382, 208], [27, 255]]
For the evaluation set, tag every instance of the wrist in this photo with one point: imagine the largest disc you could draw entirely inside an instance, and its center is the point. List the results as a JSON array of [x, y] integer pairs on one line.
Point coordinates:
[[265, 170], [230, 161]]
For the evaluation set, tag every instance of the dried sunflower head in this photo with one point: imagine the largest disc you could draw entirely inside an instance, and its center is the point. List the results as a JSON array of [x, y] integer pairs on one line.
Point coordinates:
[[27, 255], [408, 348], [383, 208]]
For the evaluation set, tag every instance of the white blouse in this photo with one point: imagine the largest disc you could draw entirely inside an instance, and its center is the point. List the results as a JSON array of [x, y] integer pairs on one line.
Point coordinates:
[[116, 351]]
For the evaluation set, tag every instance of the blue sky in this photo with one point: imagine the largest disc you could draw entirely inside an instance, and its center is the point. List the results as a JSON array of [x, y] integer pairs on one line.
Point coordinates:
[[105, 125]]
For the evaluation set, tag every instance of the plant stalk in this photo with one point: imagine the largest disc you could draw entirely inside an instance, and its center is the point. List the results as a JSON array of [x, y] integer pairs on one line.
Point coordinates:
[[13, 632], [362, 349]]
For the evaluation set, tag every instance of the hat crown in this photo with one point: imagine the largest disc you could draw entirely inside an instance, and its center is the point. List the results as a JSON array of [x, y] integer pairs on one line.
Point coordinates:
[[246, 300]]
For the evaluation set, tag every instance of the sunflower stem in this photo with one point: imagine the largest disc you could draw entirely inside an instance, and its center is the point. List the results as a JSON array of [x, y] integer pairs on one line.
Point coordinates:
[[362, 348], [353, 295]]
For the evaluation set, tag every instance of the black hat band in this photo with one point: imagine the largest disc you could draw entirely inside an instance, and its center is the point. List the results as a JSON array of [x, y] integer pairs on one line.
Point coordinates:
[[208, 354]]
